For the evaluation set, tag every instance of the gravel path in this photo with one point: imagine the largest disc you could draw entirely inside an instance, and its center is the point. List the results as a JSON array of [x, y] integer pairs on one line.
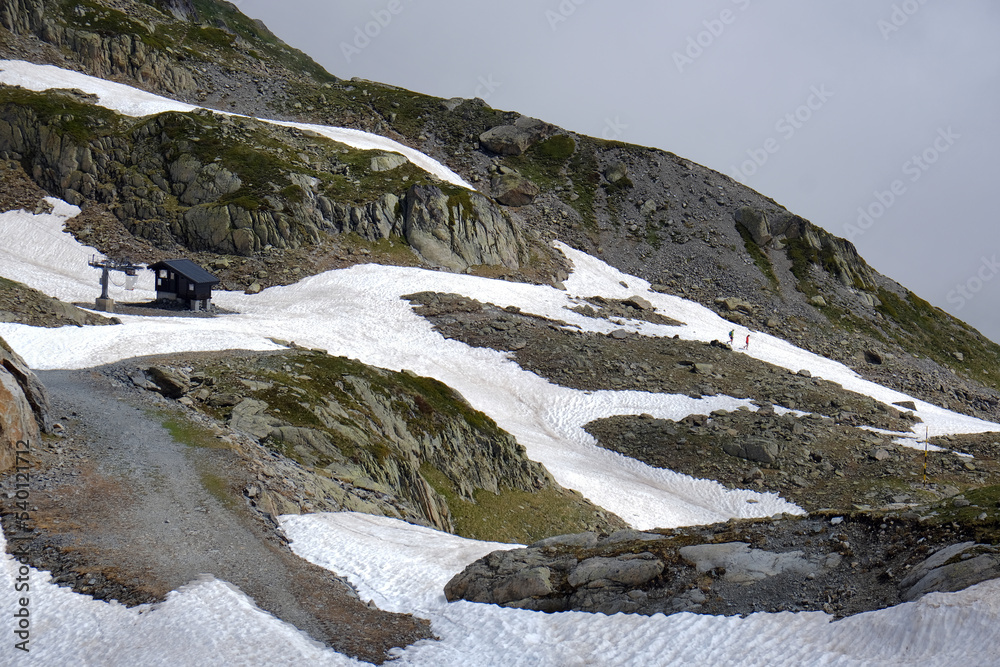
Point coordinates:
[[127, 512]]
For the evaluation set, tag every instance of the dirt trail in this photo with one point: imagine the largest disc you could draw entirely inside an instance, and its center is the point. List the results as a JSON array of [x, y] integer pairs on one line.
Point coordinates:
[[125, 512]]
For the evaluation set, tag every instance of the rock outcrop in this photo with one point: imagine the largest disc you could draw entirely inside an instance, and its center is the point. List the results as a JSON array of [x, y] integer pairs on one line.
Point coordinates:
[[952, 568], [24, 406], [362, 439], [837, 564], [779, 228], [460, 229], [128, 50], [213, 183]]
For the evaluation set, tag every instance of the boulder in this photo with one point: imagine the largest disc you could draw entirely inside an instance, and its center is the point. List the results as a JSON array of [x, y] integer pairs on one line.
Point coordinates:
[[24, 407], [387, 161], [460, 230], [753, 449], [32, 388], [170, 382], [513, 189], [755, 222], [873, 357], [17, 422], [629, 571], [532, 582], [638, 303], [615, 172], [733, 304], [514, 139]]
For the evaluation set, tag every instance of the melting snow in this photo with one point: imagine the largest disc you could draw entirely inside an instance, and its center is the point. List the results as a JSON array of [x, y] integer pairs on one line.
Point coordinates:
[[358, 313]]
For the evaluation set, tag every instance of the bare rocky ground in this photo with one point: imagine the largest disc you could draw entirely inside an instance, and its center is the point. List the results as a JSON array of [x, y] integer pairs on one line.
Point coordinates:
[[842, 565], [124, 511], [875, 520]]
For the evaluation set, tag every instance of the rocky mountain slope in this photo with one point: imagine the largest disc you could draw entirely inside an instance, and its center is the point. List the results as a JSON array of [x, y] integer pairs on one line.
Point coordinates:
[[263, 205], [687, 229]]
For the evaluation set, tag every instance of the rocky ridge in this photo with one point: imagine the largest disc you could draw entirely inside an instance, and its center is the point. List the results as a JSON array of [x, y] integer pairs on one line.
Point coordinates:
[[842, 565], [335, 435], [215, 183]]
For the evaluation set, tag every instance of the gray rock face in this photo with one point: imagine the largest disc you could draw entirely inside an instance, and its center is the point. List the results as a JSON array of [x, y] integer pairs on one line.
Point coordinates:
[[32, 388], [533, 578], [166, 191], [744, 565], [767, 228], [953, 568], [459, 232], [107, 56], [631, 572], [24, 406], [755, 223], [249, 416], [17, 422]]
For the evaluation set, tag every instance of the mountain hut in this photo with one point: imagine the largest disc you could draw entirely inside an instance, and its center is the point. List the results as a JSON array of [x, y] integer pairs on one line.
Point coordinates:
[[183, 280]]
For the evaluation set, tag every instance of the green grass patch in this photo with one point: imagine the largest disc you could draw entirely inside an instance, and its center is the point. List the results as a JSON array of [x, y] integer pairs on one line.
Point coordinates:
[[198, 437], [931, 332], [218, 487], [759, 257], [653, 236], [187, 433], [512, 516]]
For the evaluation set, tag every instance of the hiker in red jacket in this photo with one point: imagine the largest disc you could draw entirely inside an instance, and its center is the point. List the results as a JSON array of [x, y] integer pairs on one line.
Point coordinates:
[[747, 346]]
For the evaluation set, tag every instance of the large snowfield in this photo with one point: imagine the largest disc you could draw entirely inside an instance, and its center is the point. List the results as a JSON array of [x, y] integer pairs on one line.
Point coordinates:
[[358, 312]]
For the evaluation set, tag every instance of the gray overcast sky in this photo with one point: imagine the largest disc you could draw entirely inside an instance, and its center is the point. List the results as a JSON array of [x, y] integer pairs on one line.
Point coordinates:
[[889, 106]]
